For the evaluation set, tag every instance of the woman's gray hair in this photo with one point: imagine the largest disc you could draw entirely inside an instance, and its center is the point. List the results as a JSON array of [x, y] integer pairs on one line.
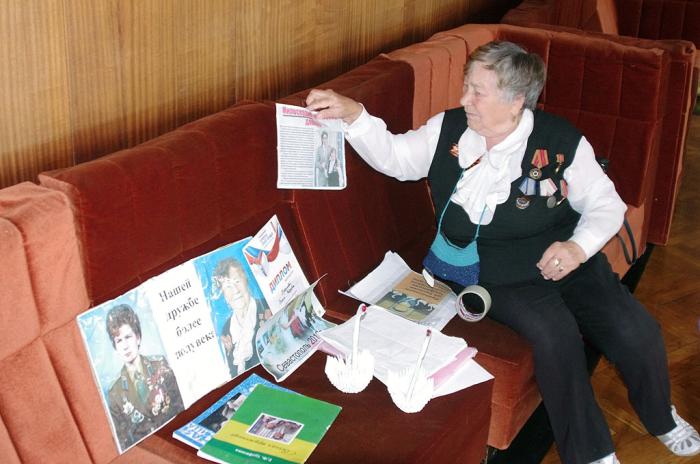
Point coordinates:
[[519, 73]]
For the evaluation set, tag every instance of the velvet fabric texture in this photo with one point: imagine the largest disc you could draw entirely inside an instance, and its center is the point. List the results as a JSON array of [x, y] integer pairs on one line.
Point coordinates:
[[42, 291], [672, 26]]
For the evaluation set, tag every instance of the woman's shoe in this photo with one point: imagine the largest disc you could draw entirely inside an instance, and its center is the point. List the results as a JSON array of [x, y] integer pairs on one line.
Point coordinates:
[[609, 459], [682, 440]]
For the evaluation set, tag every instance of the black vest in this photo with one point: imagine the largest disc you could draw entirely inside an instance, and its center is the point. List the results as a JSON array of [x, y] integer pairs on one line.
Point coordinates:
[[511, 245]]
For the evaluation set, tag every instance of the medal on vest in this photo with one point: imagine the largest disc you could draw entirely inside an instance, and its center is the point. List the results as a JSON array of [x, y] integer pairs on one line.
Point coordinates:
[[560, 162], [522, 202], [539, 160], [564, 191], [529, 188], [547, 189]]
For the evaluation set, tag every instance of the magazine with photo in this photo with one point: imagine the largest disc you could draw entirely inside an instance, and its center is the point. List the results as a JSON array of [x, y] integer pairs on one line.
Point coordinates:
[[290, 337], [310, 151], [199, 430], [147, 345], [394, 286], [272, 426]]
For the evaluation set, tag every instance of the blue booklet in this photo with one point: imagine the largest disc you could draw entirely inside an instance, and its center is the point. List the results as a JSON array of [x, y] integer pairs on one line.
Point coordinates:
[[200, 430]]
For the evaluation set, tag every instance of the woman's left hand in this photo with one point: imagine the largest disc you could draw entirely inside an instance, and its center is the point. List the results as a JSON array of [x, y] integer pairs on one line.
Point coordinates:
[[560, 259]]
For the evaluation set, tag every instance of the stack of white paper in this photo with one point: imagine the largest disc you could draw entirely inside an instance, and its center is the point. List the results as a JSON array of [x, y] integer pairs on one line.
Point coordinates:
[[396, 342]]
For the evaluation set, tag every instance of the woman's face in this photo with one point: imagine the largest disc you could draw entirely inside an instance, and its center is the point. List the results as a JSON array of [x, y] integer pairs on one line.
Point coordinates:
[[126, 342], [488, 112], [235, 289]]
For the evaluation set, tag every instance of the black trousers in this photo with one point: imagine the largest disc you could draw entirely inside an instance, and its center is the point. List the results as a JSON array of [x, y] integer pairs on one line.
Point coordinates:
[[555, 317]]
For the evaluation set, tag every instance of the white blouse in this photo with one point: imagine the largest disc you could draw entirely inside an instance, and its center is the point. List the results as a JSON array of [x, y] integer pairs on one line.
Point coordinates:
[[408, 157]]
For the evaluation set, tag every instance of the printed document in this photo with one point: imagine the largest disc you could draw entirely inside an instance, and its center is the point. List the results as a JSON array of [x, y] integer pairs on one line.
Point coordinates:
[[310, 151]]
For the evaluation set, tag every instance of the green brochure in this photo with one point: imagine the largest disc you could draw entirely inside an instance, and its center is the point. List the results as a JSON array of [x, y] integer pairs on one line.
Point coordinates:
[[272, 426]]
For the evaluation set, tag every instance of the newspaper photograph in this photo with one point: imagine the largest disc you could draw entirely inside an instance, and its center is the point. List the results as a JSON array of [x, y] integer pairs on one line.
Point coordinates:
[[310, 151]]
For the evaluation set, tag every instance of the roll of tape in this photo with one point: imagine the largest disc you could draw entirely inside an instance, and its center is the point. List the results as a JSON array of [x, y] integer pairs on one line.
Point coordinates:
[[473, 303]]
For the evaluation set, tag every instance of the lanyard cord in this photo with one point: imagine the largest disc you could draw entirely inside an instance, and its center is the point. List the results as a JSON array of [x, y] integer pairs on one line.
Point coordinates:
[[447, 203]]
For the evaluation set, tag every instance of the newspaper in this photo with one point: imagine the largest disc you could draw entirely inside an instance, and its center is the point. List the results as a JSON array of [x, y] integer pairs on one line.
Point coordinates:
[[397, 288], [310, 151]]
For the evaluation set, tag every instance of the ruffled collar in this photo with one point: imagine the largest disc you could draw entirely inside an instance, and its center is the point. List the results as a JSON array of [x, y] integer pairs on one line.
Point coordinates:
[[487, 184]]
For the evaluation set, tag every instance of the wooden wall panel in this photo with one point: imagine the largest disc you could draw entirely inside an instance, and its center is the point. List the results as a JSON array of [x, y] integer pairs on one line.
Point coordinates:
[[95, 84], [34, 107], [83, 78]]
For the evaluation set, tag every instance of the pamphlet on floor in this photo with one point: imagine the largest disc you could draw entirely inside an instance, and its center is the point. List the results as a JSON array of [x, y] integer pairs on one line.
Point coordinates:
[[271, 426], [395, 287]]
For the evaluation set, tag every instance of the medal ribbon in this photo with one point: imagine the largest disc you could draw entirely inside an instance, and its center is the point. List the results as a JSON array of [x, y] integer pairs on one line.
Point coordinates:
[[547, 187], [564, 188], [528, 186], [540, 158]]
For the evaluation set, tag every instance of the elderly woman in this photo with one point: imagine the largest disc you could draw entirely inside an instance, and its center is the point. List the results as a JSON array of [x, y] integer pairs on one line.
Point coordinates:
[[544, 208]]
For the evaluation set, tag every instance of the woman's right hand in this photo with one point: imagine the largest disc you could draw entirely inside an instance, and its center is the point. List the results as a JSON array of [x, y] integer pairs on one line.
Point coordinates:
[[332, 105]]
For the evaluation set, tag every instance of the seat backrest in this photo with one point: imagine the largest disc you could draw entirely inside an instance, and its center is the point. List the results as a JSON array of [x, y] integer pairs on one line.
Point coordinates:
[[41, 290], [143, 210], [644, 24], [589, 15], [659, 19]]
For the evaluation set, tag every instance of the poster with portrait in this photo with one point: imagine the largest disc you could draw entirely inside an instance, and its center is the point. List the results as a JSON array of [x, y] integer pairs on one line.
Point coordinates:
[[163, 345], [238, 306], [131, 366]]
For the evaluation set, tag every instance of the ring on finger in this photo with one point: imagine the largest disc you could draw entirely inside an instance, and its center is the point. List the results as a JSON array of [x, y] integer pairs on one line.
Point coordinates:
[[561, 268], [556, 262]]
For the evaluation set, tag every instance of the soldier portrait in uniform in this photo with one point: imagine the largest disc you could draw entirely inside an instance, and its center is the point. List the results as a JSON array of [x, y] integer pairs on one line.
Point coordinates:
[[145, 395]]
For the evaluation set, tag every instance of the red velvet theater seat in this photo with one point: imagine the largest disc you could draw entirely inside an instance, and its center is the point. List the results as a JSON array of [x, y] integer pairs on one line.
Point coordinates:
[[671, 25]]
